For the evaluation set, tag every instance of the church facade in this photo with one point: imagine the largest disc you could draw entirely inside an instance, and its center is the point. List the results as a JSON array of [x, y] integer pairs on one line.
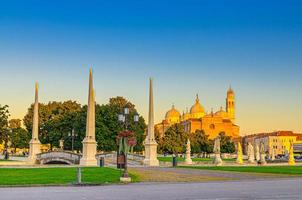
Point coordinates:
[[211, 123]]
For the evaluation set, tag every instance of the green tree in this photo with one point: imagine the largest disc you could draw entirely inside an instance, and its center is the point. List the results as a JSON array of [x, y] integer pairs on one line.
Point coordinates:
[[54, 120], [200, 142], [175, 140], [18, 136], [4, 131], [108, 126], [227, 146], [57, 120]]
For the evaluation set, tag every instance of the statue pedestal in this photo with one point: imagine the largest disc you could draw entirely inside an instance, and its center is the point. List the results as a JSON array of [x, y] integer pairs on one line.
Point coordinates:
[[34, 149], [188, 159], [151, 154], [239, 160], [262, 159], [89, 152], [125, 180], [251, 160], [217, 160]]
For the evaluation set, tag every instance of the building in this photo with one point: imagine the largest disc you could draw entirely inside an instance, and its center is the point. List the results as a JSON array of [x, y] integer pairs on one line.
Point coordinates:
[[278, 141], [197, 119]]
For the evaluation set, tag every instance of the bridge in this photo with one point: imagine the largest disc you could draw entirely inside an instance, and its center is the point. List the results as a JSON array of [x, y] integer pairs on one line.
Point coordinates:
[[69, 158], [110, 159], [59, 157]]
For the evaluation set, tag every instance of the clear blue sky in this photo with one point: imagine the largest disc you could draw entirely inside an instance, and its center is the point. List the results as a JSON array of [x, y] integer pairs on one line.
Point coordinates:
[[189, 47]]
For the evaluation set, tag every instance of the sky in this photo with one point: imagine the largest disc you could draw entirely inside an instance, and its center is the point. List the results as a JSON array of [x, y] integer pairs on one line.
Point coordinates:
[[189, 47]]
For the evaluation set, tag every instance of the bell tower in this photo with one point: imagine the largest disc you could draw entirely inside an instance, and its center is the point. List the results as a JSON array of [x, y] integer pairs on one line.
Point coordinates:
[[230, 104]]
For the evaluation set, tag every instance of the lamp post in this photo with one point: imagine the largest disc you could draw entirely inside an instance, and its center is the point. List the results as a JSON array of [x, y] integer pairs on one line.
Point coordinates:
[[72, 135], [124, 118]]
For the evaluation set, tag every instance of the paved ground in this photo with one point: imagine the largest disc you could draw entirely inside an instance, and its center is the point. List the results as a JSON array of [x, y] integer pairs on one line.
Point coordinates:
[[247, 189], [194, 175]]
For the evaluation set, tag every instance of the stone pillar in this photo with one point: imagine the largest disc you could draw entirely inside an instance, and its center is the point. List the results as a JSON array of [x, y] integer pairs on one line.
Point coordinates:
[[188, 159], [34, 144], [250, 153], [291, 158], [150, 143], [89, 143], [239, 154]]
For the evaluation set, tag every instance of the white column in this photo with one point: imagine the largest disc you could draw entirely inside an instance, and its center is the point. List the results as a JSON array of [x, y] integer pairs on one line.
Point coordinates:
[[89, 142], [150, 143], [34, 144]]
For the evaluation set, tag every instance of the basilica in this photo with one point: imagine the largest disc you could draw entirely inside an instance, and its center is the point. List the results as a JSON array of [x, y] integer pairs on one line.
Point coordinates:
[[211, 123]]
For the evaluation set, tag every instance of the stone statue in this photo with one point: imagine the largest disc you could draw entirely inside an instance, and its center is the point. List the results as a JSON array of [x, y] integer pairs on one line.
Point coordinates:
[[273, 155], [250, 153], [61, 142], [257, 156], [188, 153], [239, 159], [217, 159], [291, 158], [262, 154], [217, 145]]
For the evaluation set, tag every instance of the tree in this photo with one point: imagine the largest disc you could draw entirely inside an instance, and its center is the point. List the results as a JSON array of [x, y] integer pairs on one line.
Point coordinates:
[[55, 120], [200, 142], [227, 146], [4, 131], [175, 140], [108, 126], [18, 136]]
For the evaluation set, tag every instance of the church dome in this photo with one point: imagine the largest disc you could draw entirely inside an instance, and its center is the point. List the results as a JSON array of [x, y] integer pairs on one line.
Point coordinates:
[[173, 116], [197, 111], [223, 114]]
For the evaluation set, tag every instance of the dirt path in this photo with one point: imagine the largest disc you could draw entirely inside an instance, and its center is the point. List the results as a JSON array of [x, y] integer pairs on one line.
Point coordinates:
[[160, 174]]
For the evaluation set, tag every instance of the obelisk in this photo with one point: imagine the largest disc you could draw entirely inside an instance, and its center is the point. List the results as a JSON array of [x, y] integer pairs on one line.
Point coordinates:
[[34, 144], [150, 143], [89, 143]]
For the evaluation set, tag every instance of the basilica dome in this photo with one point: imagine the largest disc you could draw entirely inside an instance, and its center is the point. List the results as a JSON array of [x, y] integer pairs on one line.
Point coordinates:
[[173, 116], [197, 111], [223, 114]]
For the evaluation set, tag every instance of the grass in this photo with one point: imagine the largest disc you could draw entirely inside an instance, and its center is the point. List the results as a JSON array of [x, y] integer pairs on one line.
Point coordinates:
[[179, 159], [59, 176], [290, 170], [3, 160]]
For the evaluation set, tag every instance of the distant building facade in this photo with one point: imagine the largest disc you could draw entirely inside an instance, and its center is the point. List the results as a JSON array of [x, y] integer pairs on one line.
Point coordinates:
[[197, 119], [278, 141]]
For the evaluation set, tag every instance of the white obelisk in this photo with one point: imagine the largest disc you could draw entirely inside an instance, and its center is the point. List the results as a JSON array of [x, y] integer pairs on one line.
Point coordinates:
[[34, 144], [150, 143], [89, 143]]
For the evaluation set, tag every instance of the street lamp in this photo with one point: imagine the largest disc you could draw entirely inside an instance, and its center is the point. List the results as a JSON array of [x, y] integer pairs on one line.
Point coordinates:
[[123, 118], [72, 135]]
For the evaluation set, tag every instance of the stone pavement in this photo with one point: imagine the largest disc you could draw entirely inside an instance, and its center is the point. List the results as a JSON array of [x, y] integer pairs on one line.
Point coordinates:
[[245, 189]]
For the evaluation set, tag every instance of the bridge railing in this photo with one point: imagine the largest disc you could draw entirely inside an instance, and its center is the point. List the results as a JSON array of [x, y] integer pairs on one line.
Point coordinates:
[[59, 155]]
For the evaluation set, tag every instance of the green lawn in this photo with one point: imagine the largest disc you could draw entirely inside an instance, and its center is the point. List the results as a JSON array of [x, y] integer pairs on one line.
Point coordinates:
[[169, 159], [294, 170], [3, 160], [58, 176]]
